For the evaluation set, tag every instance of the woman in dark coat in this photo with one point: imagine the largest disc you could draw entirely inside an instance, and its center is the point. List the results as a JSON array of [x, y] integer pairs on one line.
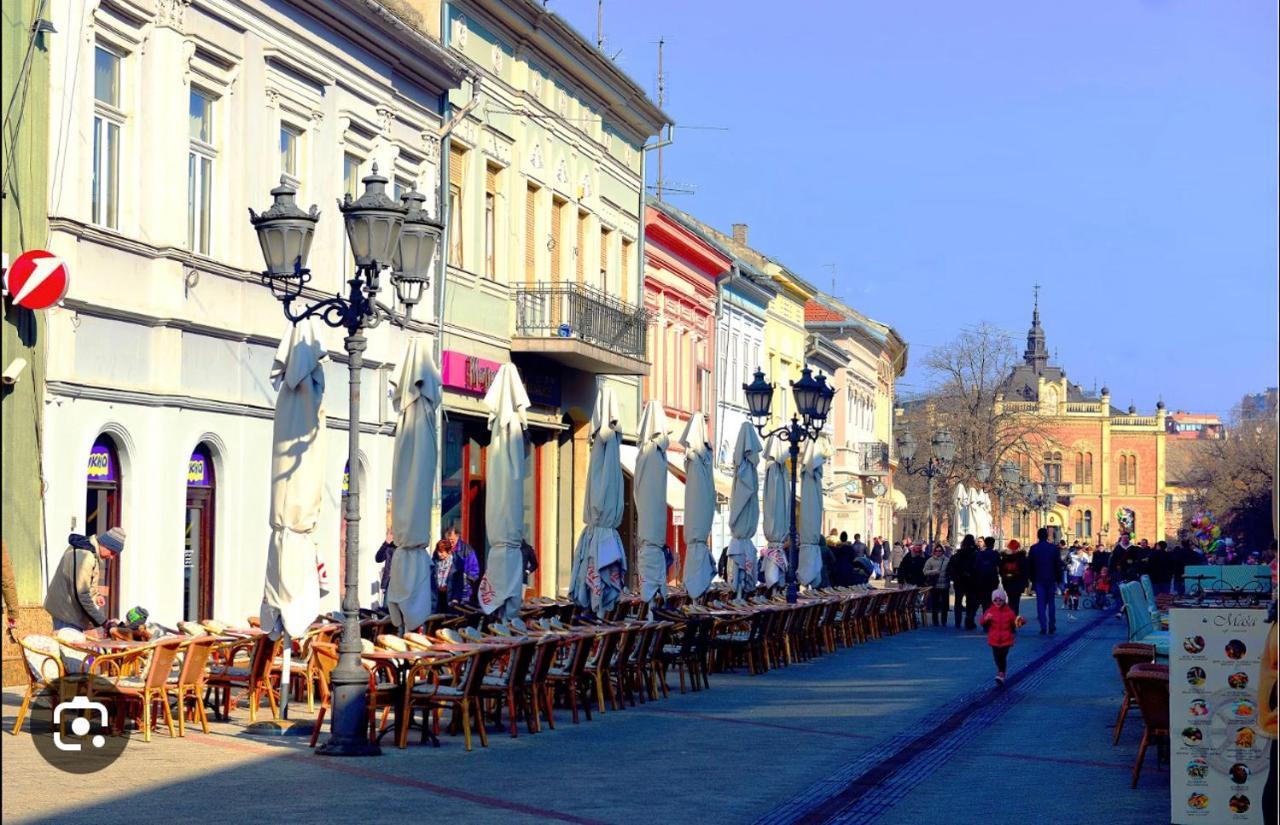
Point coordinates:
[[1013, 573]]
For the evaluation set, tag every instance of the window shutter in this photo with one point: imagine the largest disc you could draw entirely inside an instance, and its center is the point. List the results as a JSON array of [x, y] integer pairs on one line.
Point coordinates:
[[491, 179], [457, 166], [530, 229], [556, 208], [581, 247]]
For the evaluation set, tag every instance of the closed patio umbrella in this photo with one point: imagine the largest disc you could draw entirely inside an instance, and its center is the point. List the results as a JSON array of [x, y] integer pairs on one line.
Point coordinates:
[[413, 472], [776, 508], [291, 591], [650, 495], [744, 510], [809, 562], [598, 561], [699, 507], [502, 588]]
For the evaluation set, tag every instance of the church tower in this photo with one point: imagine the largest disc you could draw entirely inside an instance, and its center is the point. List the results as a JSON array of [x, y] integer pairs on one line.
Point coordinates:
[[1037, 354]]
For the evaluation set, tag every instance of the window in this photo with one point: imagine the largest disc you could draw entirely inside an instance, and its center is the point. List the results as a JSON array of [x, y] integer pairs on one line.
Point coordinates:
[[557, 210], [1053, 467], [530, 234], [1122, 471], [457, 169], [605, 243], [199, 171], [1017, 524], [1168, 503], [1079, 469], [400, 187], [625, 268], [290, 137], [351, 175], [580, 249], [1087, 480], [1127, 473], [1133, 474], [107, 122], [1078, 524], [490, 222], [1088, 523]]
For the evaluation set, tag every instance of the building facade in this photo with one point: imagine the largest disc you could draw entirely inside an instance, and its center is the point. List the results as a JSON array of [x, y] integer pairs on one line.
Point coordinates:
[[23, 225], [158, 375], [544, 203], [1109, 464], [1185, 426]]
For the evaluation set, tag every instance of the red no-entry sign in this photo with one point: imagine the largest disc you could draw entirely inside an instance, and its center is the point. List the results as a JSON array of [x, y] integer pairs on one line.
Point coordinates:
[[37, 279]]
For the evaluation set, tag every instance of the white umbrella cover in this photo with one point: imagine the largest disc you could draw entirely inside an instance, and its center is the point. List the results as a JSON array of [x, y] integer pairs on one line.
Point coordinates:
[[699, 507], [809, 526], [413, 471], [776, 509], [598, 561], [291, 592], [744, 510], [649, 492], [502, 587]]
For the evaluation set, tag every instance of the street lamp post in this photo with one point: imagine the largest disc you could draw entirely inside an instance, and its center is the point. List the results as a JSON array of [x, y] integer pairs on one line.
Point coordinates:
[[1040, 497], [943, 451], [384, 235], [1005, 484], [813, 402]]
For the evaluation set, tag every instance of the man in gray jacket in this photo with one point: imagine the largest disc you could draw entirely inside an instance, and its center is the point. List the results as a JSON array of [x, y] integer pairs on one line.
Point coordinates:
[[73, 599]]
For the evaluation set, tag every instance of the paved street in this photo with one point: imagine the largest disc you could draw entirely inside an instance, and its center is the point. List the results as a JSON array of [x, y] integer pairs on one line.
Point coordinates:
[[907, 729]]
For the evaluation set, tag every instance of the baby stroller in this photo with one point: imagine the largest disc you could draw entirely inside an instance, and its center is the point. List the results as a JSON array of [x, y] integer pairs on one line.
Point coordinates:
[[1096, 590]]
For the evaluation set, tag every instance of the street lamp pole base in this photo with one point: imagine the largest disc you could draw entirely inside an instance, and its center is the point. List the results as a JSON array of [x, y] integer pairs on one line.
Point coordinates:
[[793, 592], [356, 747]]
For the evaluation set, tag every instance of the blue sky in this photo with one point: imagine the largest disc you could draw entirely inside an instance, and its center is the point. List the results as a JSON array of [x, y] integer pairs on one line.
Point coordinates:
[[945, 156]]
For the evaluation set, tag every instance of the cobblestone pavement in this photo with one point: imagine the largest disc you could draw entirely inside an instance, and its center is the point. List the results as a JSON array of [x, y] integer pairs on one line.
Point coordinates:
[[904, 729]]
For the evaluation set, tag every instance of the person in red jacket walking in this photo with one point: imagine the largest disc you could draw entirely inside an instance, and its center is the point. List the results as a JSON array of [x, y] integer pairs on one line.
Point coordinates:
[[1002, 626]]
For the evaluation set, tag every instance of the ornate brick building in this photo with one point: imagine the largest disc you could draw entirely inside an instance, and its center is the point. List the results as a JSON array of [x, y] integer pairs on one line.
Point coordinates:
[[1103, 459]]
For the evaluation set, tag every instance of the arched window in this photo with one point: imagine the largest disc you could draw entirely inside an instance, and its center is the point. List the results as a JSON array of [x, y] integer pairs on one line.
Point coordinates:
[[1078, 524], [1053, 467], [1088, 471], [1079, 479], [1122, 472], [105, 478], [1133, 474], [1088, 523]]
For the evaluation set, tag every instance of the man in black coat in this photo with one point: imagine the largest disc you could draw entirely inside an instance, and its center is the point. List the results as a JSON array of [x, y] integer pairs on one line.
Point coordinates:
[[842, 569], [1160, 567], [1045, 566]]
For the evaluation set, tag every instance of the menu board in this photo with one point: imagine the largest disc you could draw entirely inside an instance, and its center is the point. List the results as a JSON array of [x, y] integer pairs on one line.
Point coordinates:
[[1218, 764]]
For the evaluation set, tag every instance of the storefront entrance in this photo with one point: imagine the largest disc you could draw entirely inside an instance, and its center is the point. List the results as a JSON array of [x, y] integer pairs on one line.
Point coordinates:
[[462, 474], [197, 557], [102, 511]]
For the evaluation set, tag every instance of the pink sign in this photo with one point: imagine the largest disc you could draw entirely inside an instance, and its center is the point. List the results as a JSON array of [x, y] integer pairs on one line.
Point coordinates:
[[467, 372]]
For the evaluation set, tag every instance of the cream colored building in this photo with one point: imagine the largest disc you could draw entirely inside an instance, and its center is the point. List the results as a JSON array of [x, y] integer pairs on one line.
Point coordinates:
[[172, 119]]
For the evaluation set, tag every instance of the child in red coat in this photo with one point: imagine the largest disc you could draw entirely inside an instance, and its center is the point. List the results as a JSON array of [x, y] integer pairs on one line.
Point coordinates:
[[1002, 625]]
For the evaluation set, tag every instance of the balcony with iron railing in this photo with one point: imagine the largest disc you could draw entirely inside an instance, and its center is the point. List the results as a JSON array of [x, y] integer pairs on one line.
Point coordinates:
[[875, 457], [582, 327]]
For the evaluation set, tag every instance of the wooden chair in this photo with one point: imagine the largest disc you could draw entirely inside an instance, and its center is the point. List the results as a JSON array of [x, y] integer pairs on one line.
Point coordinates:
[[600, 663], [1149, 684], [544, 657], [190, 681], [245, 664], [1128, 654], [42, 659], [569, 673], [422, 688], [509, 686], [127, 692]]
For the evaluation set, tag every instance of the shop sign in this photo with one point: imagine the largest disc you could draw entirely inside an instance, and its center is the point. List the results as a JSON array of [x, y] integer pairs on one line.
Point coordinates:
[[198, 471], [101, 467], [543, 387], [346, 478], [468, 373], [37, 279]]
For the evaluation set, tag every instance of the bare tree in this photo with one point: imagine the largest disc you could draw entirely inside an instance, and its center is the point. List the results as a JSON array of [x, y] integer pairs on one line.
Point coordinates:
[[1236, 476]]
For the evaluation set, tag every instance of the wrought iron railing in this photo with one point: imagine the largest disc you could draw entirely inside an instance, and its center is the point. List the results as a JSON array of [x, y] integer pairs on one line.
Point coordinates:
[[584, 313]]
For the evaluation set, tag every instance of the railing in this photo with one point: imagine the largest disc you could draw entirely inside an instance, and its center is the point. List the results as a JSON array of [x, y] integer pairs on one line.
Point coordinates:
[[1133, 421], [582, 312], [1021, 406], [1084, 407], [875, 457]]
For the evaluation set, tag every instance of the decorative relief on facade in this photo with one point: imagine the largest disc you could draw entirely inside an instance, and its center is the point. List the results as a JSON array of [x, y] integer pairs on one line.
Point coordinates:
[[496, 58], [170, 14], [460, 33], [386, 119], [562, 103], [430, 146], [272, 97], [535, 155], [317, 117], [535, 81], [562, 172], [584, 186]]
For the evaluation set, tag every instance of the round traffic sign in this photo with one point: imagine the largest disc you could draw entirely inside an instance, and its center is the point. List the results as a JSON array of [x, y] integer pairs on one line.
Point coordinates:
[[37, 279]]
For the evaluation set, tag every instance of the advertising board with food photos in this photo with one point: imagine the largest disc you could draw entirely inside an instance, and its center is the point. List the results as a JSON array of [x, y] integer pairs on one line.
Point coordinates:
[[1218, 762]]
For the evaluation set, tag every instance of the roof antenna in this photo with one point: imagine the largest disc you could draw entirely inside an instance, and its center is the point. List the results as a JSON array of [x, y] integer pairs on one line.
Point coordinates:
[[662, 88], [600, 25]]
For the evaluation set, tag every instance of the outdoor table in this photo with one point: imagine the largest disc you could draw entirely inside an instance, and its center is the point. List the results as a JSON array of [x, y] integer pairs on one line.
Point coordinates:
[[403, 661]]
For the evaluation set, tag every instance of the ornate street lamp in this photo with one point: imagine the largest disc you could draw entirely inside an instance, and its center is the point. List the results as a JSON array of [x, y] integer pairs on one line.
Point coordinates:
[[943, 449], [813, 402], [1005, 481], [383, 235]]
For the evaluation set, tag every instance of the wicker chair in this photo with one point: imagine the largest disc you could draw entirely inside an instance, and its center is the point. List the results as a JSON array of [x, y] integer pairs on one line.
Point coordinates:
[[189, 684], [128, 692], [422, 688], [570, 674], [42, 659], [254, 677]]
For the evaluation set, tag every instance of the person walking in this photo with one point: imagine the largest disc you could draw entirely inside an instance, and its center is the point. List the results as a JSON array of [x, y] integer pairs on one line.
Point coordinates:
[[466, 562], [1002, 628], [1045, 566], [1120, 561], [73, 599], [935, 576], [896, 554], [384, 554], [1013, 574], [960, 573], [1160, 567], [877, 558], [842, 566], [986, 577], [911, 571]]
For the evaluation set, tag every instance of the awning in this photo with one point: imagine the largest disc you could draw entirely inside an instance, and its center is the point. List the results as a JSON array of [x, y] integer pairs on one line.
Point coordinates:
[[898, 499], [628, 453]]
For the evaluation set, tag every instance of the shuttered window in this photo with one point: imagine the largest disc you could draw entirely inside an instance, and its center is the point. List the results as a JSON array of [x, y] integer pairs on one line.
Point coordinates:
[[530, 234], [580, 251], [625, 269], [605, 234], [491, 222], [457, 170], [557, 209]]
